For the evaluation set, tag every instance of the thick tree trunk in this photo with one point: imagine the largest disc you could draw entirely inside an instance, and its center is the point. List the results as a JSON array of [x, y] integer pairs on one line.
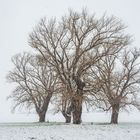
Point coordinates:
[[42, 116], [77, 109], [77, 101], [67, 117], [115, 113], [42, 111], [67, 114]]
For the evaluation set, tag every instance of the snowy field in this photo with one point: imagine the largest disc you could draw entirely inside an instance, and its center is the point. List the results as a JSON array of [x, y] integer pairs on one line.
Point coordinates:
[[61, 131]]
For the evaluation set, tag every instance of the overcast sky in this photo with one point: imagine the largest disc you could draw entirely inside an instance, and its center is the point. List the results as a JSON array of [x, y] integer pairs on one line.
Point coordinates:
[[18, 17]]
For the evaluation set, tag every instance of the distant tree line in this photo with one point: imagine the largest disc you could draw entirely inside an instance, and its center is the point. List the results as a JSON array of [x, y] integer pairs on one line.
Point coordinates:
[[80, 60]]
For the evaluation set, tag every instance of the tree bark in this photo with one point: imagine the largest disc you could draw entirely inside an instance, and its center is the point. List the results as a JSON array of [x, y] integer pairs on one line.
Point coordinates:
[[77, 100], [115, 113], [77, 109], [67, 117], [67, 114], [42, 116], [42, 111]]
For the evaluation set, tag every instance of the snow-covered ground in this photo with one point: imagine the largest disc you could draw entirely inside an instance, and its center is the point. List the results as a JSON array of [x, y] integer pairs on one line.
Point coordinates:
[[61, 131]]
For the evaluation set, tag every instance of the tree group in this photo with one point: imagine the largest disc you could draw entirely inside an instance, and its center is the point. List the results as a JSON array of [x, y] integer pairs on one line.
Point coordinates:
[[79, 59]]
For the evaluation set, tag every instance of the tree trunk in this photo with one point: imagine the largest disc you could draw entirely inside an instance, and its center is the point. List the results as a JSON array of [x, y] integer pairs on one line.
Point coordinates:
[[67, 114], [115, 113], [77, 100], [42, 111], [67, 117], [42, 116], [77, 109]]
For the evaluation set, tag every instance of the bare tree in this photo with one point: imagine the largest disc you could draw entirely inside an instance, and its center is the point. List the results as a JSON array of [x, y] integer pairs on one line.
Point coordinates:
[[73, 45], [117, 79], [35, 83]]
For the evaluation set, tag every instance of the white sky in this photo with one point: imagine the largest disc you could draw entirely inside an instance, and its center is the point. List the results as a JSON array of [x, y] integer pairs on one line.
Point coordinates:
[[18, 17]]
